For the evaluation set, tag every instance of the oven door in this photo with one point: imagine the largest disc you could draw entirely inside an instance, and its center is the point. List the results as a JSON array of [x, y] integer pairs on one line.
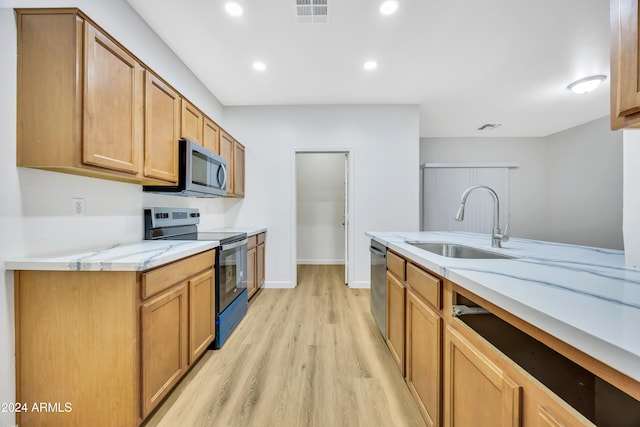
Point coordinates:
[[232, 272]]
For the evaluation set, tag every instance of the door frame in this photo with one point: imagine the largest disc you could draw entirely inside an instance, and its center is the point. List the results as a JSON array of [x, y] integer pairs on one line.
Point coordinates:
[[349, 258]]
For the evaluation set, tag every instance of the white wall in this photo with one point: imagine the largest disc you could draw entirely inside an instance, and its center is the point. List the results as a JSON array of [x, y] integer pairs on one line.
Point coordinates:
[[35, 212], [527, 183], [584, 180], [384, 142], [568, 187], [320, 208], [631, 212]]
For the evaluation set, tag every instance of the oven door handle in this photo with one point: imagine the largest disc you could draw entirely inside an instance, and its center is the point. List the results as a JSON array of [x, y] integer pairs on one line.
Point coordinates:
[[234, 245]]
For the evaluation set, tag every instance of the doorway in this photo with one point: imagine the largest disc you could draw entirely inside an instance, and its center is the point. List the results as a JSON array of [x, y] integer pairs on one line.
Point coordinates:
[[320, 209]]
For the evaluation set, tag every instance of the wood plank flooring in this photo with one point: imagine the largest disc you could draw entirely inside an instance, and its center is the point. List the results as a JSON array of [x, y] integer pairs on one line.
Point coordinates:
[[309, 356]]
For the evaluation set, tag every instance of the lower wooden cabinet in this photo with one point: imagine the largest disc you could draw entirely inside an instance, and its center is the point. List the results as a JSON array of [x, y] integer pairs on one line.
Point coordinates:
[[112, 344], [164, 328], [202, 313], [477, 392], [255, 263], [424, 357], [396, 319]]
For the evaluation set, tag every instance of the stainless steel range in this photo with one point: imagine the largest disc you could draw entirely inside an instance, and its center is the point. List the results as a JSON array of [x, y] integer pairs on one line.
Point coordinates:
[[231, 261]]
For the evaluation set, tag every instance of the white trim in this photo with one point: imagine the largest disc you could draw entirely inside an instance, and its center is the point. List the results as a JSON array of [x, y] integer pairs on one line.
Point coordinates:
[[360, 285], [321, 261], [278, 285], [471, 165]]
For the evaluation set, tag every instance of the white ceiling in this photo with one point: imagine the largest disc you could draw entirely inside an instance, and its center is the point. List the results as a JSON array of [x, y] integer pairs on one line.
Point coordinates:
[[464, 62]]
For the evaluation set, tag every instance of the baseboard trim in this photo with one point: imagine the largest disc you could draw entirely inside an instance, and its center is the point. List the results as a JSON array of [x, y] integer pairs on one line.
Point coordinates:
[[360, 285], [278, 285], [321, 261]]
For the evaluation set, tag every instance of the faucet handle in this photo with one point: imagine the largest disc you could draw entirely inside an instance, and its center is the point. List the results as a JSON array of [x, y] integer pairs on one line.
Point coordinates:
[[505, 235]]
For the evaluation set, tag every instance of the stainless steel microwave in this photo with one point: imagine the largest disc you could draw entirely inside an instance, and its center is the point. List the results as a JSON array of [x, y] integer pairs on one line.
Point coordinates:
[[201, 173]]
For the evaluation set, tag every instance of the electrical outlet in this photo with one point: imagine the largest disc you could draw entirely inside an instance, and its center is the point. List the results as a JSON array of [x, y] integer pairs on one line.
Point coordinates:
[[77, 206]]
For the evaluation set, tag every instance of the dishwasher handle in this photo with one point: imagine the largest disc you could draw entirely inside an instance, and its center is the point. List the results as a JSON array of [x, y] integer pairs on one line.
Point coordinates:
[[377, 252]]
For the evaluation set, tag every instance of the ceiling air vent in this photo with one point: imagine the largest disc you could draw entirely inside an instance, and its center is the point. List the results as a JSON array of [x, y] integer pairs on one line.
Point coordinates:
[[490, 126], [312, 11]]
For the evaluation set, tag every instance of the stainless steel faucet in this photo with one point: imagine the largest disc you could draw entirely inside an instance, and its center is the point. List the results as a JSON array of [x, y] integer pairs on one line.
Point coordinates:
[[496, 236]]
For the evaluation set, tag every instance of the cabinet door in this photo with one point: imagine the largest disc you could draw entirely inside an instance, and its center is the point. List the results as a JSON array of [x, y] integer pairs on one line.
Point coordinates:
[[164, 344], [113, 117], [424, 360], [211, 136], [226, 151], [252, 283], [260, 265], [625, 84], [201, 313], [395, 319], [192, 122], [476, 391], [238, 169], [162, 130]]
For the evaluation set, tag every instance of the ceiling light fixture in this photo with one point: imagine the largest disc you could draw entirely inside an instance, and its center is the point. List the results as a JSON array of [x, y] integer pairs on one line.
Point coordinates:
[[587, 84], [370, 65], [259, 66], [389, 7], [233, 8]]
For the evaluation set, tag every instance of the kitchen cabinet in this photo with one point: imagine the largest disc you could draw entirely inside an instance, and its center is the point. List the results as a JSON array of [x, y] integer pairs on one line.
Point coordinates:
[[252, 266], [164, 328], [424, 343], [211, 135], [477, 392], [625, 73], [111, 343], [396, 290], [192, 122], [255, 263], [202, 313], [260, 261], [162, 129], [80, 98], [396, 319], [226, 151], [238, 169]]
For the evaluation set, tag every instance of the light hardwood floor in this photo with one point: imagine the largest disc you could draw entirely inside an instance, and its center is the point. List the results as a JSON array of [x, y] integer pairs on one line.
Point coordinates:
[[310, 356]]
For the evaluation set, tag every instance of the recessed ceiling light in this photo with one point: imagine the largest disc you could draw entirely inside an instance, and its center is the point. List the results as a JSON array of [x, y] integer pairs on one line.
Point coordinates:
[[370, 65], [259, 66], [233, 8], [389, 7], [587, 84]]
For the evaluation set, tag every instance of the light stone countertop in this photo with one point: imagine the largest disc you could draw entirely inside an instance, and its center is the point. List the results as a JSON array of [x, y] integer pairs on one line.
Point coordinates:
[[584, 296], [137, 256]]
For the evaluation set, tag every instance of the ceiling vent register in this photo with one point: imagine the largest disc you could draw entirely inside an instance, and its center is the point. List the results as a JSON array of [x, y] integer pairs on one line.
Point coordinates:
[[312, 11]]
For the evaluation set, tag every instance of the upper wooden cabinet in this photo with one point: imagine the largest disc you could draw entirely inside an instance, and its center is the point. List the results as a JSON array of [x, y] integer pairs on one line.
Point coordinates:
[[80, 98], [162, 130], [211, 135], [625, 74], [238, 169], [192, 122], [226, 151]]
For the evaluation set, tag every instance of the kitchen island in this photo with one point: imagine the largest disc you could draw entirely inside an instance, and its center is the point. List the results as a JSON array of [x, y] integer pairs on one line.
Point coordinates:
[[578, 302]]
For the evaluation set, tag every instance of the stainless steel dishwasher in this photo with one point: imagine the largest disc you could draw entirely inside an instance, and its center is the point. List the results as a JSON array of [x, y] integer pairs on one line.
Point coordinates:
[[379, 285]]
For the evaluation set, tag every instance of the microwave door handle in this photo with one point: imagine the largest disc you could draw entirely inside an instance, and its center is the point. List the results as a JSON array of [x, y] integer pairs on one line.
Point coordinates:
[[233, 245], [224, 176]]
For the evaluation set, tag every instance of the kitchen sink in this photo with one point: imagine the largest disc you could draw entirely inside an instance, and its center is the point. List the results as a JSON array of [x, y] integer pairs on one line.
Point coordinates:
[[454, 250]]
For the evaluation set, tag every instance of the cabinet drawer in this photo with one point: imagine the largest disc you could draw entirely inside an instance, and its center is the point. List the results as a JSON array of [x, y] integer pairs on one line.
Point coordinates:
[[425, 285], [252, 242], [396, 264], [261, 238], [164, 277]]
